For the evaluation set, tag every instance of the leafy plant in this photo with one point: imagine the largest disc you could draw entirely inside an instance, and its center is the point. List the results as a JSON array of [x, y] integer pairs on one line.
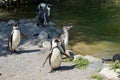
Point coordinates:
[[81, 62], [118, 74], [97, 77]]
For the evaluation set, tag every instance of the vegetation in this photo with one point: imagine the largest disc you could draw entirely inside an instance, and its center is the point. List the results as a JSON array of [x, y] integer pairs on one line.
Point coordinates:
[[97, 77], [81, 62], [66, 60], [115, 66]]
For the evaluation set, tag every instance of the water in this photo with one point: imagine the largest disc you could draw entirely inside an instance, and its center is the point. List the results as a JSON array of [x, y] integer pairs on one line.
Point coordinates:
[[96, 26]]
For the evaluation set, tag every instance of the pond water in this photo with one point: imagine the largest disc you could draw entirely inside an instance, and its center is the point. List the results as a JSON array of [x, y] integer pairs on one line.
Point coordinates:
[[96, 27]]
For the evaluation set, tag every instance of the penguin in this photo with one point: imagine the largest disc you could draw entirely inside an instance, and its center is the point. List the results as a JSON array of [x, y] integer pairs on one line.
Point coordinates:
[[64, 40], [14, 38], [65, 36], [43, 12], [54, 56]]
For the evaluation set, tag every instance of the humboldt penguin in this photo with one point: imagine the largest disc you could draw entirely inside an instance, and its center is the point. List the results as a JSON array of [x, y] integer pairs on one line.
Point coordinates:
[[64, 39], [14, 38], [54, 55]]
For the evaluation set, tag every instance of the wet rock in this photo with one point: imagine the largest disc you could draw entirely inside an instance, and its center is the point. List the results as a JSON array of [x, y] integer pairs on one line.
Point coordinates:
[[3, 35], [23, 21], [10, 22], [110, 74], [51, 24], [42, 35]]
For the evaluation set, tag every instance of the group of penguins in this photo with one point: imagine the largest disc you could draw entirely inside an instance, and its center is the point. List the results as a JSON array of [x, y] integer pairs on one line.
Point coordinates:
[[58, 45]]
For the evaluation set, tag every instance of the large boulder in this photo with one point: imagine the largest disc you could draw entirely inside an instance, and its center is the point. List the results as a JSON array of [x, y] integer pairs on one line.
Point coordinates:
[[110, 74], [42, 35]]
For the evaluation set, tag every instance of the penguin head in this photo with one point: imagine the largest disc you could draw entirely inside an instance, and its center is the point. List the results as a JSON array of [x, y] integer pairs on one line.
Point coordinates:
[[66, 28], [15, 25], [55, 42], [42, 6]]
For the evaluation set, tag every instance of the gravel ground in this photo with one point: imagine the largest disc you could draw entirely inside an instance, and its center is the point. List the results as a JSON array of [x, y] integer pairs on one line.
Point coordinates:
[[28, 66]]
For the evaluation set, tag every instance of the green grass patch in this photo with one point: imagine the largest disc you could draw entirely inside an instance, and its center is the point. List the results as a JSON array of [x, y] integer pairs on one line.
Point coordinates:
[[81, 63], [97, 77], [115, 66]]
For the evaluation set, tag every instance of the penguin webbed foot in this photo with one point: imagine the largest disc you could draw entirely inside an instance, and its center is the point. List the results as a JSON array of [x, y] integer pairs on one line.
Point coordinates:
[[15, 52]]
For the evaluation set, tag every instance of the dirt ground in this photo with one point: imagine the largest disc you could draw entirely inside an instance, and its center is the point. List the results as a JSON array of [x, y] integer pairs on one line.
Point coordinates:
[[28, 65]]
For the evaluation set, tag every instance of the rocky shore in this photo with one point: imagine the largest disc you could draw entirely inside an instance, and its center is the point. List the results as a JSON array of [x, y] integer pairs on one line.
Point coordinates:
[[28, 64]]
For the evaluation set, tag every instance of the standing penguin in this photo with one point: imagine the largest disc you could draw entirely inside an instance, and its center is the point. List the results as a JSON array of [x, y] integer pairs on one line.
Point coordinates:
[[54, 55], [65, 36], [64, 39], [14, 38]]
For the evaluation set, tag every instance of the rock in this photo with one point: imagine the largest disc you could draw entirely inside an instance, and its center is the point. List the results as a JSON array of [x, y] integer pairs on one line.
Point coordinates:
[[42, 35], [30, 29], [77, 56], [51, 24], [23, 21], [110, 74], [3, 35], [46, 44], [96, 66], [10, 22], [35, 20], [2, 24], [92, 58]]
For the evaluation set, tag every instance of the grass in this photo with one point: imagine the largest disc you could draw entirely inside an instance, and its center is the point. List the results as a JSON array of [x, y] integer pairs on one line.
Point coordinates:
[[115, 66], [81, 62], [97, 77]]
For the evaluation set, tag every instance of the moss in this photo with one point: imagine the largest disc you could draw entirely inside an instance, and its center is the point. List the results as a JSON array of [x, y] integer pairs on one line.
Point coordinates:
[[81, 62], [97, 77]]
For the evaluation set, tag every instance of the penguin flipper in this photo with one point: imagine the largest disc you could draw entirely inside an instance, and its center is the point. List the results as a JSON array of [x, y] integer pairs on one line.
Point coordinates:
[[47, 58], [10, 41]]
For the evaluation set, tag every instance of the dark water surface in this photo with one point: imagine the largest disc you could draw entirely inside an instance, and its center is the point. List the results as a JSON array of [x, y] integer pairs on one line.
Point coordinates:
[[96, 27]]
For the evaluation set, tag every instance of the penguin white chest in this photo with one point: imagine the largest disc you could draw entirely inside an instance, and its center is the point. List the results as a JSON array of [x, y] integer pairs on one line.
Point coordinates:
[[15, 39], [55, 58]]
